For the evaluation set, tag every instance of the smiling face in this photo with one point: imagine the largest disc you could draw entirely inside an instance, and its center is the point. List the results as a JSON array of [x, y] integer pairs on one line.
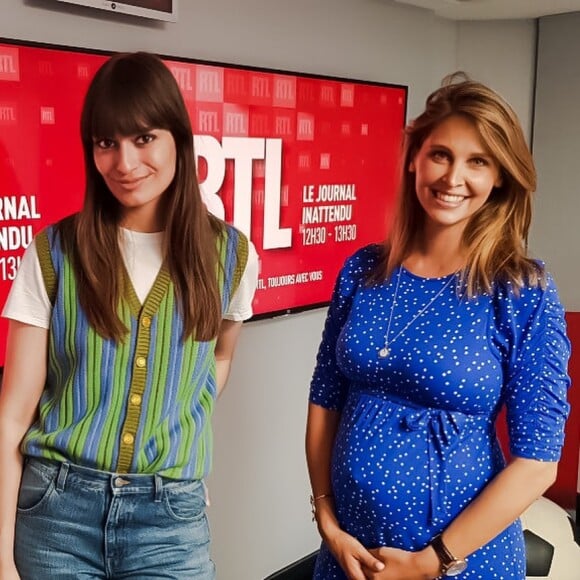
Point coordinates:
[[137, 169], [454, 174]]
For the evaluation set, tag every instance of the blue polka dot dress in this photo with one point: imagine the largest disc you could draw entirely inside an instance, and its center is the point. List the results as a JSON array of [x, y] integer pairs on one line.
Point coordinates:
[[416, 441]]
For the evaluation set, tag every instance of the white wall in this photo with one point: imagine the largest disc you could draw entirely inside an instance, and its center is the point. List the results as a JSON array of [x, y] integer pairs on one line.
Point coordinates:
[[502, 54], [260, 514], [555, 235]]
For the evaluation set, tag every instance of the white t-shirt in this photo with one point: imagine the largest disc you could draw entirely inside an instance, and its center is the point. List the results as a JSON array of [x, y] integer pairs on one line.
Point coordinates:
[[28, 301]]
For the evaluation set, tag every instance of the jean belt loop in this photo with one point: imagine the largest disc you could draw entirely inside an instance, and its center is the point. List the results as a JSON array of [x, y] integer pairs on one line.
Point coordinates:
[[62, 475], [158, 487]]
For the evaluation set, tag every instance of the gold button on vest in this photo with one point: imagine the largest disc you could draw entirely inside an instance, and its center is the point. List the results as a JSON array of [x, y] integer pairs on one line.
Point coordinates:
[[135, 399], [128, 438], [146, 321], [141, 361]]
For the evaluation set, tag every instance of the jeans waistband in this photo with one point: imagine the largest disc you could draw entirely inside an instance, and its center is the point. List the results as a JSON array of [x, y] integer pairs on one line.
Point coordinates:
[[118, 483]]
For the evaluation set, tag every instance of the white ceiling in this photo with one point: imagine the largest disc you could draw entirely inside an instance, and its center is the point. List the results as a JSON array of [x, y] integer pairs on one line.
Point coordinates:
[[495, 9]]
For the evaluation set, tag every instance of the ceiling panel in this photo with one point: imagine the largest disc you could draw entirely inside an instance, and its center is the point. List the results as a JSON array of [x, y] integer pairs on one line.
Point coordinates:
[[494, 9]]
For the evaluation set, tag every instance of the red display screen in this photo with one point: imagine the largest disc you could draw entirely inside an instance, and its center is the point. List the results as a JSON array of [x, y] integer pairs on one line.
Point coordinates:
[[305, 165]]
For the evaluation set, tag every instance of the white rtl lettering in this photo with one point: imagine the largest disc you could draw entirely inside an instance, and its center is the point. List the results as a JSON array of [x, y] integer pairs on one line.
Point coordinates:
[[283, 126], [304, 161], [327, 95], [7, 64], [305, 127], [274, 236], [243, 150], [210, 149], [283, 89], [47, 115], [83, 71], [183, 77], [260, 87], [208, 121], [347, 95], [7, 114], [236, 123], [209, 81]]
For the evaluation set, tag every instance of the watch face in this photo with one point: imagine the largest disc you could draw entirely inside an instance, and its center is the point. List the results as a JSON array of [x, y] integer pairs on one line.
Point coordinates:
[[456, 567]]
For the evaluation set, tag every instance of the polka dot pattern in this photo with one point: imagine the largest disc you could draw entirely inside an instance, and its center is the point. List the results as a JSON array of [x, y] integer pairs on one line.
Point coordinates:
[[416, 441]]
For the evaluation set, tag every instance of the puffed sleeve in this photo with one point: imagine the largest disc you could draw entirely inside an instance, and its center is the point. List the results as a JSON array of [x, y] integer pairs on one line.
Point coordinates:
[[329, 386], [531, 334]]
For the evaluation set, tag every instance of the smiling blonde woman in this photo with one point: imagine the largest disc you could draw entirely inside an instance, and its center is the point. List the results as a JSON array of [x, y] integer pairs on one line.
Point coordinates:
[[428, 336]]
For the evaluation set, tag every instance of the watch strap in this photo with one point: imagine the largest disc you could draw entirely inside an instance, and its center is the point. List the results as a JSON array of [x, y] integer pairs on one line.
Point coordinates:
[[446, 558]]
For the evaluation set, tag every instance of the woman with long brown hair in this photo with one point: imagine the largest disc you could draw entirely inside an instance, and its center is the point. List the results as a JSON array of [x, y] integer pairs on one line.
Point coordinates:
[[123, 322], [428, 336]]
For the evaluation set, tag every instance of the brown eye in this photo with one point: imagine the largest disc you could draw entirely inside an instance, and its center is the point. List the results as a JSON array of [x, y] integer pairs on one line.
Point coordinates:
[[103, 143], [439, 155], [145, 139]]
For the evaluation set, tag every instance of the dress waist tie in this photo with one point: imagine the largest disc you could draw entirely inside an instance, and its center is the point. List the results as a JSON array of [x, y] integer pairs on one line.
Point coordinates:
[[443, 430]]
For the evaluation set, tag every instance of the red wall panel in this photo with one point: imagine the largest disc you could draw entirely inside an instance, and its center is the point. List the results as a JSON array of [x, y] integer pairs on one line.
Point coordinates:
[[564, 490]]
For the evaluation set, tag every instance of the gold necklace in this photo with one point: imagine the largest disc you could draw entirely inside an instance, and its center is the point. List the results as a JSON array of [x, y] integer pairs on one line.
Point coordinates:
[[385, 351]]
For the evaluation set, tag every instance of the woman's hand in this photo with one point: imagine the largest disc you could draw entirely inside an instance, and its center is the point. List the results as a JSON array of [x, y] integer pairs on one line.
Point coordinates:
[[403, 565], [353, 557]]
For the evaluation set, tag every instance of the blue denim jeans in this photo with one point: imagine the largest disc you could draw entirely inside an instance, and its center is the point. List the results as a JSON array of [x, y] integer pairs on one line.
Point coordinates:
[[77, 523]]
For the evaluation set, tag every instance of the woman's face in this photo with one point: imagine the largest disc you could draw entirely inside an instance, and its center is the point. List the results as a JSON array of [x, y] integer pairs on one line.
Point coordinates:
[[454, 173], [138, 169]]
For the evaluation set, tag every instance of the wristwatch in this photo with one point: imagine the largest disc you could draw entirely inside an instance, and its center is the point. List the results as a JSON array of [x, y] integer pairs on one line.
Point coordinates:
[[450, 565]]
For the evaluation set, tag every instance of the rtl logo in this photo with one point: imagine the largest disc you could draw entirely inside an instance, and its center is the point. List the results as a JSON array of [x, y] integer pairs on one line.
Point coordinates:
[[347, 95], [8, 114], [184, 77], [305, 127], [209, 84], [9, 66], [47, 116]]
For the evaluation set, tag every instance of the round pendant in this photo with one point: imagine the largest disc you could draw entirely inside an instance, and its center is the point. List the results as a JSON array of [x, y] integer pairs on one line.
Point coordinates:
[[384, 352]]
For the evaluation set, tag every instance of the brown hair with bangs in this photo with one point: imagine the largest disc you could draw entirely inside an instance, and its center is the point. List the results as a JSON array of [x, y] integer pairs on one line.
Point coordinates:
[[495, 237], [131, 93]]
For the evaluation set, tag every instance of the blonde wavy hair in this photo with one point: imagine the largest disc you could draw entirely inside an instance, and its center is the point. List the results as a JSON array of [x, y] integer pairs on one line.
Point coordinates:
[[495, 237]]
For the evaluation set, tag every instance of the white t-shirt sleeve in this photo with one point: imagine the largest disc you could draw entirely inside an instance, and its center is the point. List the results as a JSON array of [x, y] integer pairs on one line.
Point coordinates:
[[27, 300], [240, 307]]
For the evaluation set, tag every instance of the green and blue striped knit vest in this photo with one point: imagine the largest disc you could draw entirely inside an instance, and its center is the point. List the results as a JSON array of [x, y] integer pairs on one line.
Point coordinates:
[[142, 405]]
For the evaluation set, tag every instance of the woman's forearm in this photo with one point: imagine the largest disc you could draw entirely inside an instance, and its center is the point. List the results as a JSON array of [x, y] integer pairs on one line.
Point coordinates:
[[502, 501], [321, 428], [22, 385], [11, 471]]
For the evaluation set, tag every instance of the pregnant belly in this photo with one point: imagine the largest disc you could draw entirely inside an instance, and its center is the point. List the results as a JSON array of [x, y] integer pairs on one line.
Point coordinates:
[[401, 473]]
